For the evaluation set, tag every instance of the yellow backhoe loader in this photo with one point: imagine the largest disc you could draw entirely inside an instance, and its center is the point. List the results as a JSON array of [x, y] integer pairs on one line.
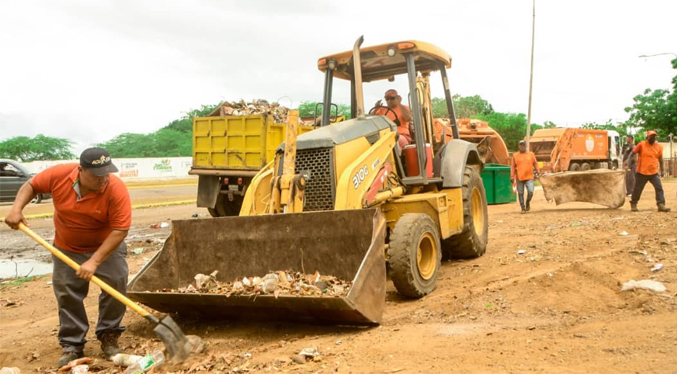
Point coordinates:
[[342, 200]]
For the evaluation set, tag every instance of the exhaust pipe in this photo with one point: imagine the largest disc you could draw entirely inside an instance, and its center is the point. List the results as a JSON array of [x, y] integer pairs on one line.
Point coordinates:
[[357, 65]]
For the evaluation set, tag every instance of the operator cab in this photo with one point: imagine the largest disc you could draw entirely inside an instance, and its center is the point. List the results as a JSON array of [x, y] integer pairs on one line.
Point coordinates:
[[415, 61]]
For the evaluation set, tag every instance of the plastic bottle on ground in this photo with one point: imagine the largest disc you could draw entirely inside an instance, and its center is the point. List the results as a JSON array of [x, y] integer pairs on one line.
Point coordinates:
[[123, 359], [12, 370], [146, 363]]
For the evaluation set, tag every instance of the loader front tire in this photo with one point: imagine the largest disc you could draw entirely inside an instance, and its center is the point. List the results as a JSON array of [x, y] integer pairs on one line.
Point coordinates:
[[472, 241], [414, 255], [225, 208]]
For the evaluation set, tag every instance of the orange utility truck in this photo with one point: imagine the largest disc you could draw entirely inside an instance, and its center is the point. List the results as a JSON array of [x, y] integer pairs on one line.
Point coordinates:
[[573, 149]]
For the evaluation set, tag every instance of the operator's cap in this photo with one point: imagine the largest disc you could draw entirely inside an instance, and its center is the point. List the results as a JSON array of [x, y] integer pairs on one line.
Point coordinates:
[[651, 132], [98, 161], [522, 142]]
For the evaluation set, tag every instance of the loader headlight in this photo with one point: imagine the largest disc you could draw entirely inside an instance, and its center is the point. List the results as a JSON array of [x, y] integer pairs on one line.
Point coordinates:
[[391, 51], [332, 64]]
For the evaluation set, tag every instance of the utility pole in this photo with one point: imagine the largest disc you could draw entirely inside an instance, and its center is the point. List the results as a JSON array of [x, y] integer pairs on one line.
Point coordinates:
[[531, 73]]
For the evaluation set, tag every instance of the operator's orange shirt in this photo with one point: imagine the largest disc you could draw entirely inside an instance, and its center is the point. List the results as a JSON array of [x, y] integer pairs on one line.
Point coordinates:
[[648, 157], [403, 128], [82, 225], [523, 165]]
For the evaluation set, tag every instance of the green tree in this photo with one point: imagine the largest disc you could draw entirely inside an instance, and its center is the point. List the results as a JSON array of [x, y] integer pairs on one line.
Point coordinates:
[[185, 123], [464, 107], [621, 128], [129, 145], [655, 109], [511, 126], [307, 109], [25, 149]]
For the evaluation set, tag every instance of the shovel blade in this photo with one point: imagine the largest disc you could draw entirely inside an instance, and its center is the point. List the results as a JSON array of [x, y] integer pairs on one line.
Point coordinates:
[[178, 347]]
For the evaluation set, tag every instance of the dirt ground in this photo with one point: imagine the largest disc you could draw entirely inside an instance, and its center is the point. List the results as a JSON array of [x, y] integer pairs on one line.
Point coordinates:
[[556, 307]]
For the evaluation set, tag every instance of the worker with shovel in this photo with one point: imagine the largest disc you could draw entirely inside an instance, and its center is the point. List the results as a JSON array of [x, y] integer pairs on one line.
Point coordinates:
[[92, 214], [522, 170], [650, 155]]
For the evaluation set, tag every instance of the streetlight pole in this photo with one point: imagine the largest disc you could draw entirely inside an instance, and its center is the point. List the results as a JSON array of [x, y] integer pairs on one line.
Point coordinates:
[[531, 73], [658, 54]]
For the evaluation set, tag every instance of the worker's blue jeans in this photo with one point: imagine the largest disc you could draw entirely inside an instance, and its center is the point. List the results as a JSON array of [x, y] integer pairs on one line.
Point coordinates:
[[520, 191], [70, 291], [640, 182]]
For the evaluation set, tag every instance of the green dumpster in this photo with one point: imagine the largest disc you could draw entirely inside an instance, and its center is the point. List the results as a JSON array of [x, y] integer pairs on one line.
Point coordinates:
[[496, 180]]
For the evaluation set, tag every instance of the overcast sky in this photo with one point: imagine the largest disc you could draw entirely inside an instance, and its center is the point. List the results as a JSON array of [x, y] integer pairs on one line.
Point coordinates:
[[90, 70]]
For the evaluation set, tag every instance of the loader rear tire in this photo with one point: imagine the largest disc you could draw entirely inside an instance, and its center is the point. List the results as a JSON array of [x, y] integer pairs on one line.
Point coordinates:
[[585, 166], [414, 255], [472, 241], [574, 167], [225, 207]]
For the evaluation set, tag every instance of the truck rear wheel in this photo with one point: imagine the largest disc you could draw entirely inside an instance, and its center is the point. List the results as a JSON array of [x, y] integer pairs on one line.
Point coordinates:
[[472, 241], [585, 166], [574, 167], [224, 207], [414, 255]]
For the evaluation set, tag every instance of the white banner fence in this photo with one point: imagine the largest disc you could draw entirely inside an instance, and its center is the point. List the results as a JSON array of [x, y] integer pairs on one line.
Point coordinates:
[[135, 169]]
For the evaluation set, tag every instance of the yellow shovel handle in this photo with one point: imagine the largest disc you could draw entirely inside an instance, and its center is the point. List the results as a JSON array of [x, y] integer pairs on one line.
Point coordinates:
[[68, 261]]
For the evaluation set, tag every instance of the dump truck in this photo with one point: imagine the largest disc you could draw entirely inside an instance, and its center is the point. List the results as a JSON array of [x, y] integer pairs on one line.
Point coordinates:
[[573, 149], [489, 142], [228, 151], [342, 200]]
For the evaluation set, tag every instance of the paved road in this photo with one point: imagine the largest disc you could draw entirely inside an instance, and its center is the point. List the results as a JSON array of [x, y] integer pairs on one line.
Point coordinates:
[[152, 194]]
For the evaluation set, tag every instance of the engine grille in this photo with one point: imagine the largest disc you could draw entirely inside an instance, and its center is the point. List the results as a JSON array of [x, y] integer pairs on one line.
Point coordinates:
[[320, 191]]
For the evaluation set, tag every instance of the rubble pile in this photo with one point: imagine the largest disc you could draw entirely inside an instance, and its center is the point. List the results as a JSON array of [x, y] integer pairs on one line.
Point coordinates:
[[276, 283], [242, 108]]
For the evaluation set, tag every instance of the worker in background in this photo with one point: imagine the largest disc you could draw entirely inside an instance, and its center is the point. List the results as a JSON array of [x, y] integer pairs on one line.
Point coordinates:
[[629, 164], [394, 103], [92, 214], [649, 163], [522, 170]]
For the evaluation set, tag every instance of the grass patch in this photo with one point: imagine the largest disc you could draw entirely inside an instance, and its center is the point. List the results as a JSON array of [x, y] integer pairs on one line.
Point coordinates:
[[19, 281]]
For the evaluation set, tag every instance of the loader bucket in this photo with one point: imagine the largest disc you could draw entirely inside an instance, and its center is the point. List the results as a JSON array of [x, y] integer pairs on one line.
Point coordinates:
[[599, 186], [346, 244]]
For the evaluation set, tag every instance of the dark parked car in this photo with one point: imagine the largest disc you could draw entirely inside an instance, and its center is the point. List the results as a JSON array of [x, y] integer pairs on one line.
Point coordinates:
[[12, 176]]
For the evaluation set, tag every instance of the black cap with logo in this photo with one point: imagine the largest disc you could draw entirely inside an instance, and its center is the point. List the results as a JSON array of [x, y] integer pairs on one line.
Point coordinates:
[[97, 161]]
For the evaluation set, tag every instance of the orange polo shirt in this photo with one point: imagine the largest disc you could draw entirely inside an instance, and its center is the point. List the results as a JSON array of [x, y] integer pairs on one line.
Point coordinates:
[[83, 225], [523, 166], [648, 157], [403, 128]]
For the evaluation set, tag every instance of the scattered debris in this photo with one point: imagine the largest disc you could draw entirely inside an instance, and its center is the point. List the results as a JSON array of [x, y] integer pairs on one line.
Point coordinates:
[[644, 284], [298, 359], [80, 369], [138, 251], [162, 225], [657, 267], [77, 362], [275, 283], [575, 224], [242, 108], [206, 282], [197, 343], [122, 359], [580, 336], [338, 342], [310, 352], [521, 252], [623, 233]]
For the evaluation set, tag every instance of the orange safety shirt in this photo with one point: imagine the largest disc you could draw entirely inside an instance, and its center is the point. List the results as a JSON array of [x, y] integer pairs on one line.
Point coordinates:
[[83, 225], [403, 128], [524, 165], [649, 157]]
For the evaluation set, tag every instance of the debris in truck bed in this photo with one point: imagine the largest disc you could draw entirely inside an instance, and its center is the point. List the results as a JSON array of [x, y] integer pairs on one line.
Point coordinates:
[[275, 283], [242, 108]]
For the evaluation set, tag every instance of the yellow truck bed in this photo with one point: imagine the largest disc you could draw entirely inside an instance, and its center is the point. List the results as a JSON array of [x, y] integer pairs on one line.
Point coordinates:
[[237, 142]]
